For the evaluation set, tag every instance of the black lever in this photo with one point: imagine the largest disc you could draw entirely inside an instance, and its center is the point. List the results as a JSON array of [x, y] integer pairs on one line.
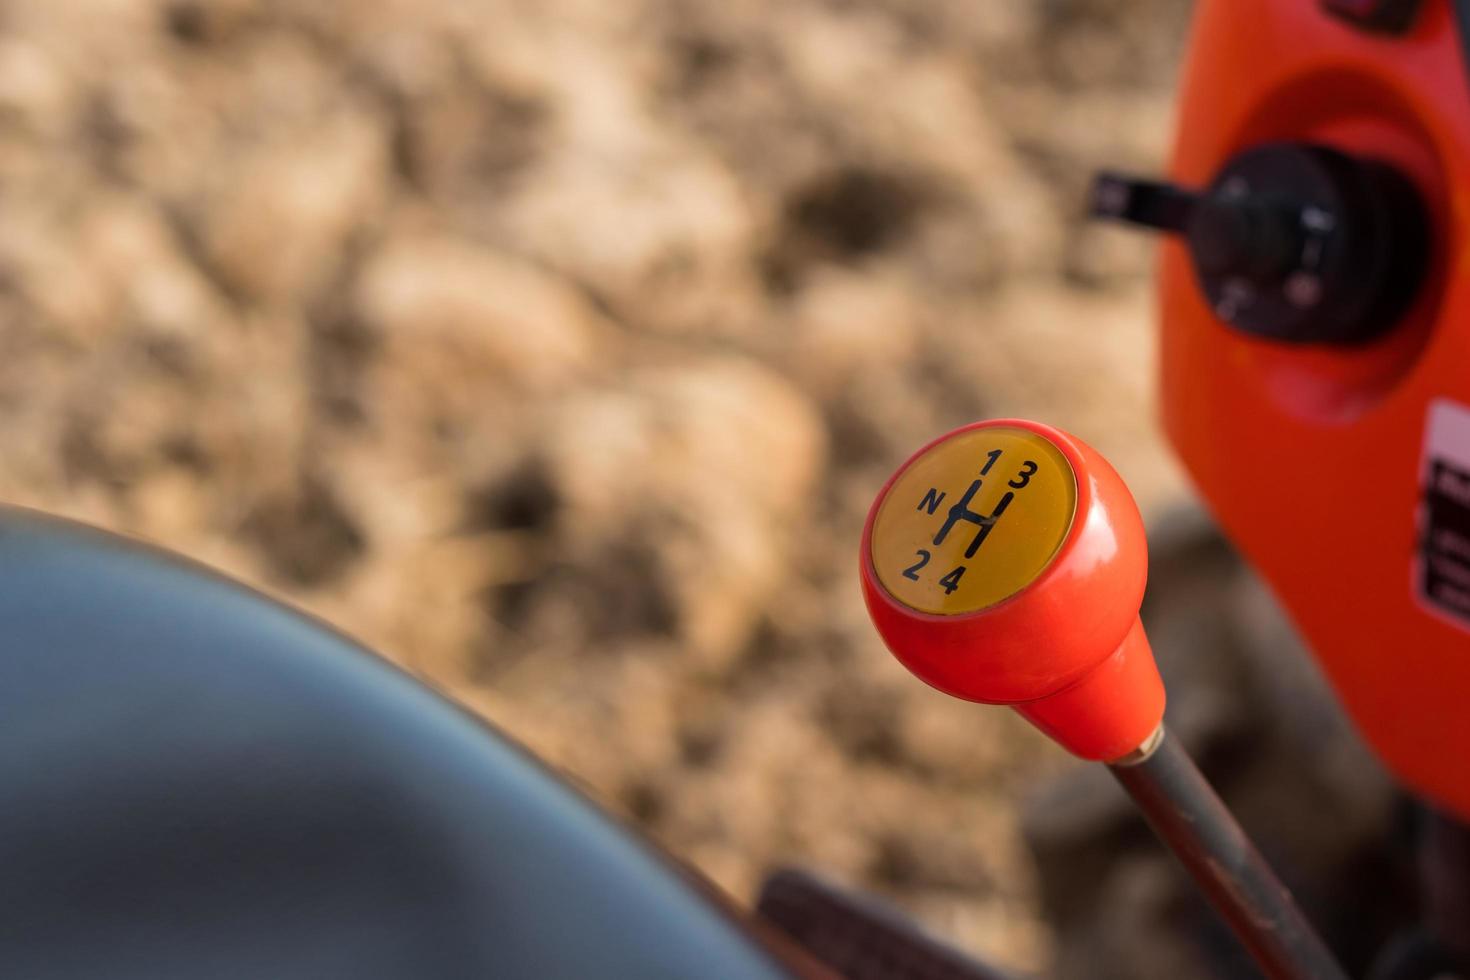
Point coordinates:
[[1149, 203]]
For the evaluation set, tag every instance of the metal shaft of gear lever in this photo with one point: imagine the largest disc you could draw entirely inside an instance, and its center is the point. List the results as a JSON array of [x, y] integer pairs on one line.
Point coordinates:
[[1191, 820]]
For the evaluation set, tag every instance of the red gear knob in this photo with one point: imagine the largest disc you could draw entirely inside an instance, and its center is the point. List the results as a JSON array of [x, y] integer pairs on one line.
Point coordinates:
[[1005, 563]]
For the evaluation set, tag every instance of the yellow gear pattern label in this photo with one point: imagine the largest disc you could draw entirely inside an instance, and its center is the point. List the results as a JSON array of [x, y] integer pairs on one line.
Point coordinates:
[[974, 520]]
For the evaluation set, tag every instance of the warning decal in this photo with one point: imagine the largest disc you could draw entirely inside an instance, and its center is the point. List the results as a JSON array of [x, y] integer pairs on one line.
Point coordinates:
[[1443, 560]]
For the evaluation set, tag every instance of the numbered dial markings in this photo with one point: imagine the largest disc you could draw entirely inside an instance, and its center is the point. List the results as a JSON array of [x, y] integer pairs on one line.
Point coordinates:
[[974, 520]]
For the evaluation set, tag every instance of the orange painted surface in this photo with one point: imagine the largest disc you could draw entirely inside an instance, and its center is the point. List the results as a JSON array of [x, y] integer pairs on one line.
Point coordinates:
[[1311, 458]]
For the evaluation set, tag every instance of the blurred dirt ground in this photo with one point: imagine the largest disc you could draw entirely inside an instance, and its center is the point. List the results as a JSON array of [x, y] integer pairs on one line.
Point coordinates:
[[556, 349]]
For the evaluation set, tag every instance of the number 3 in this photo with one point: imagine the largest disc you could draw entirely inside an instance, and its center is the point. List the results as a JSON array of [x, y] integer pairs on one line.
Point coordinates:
[[1023, 477]]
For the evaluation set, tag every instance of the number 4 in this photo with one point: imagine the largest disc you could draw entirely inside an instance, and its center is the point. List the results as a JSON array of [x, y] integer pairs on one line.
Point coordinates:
[[952, 580]]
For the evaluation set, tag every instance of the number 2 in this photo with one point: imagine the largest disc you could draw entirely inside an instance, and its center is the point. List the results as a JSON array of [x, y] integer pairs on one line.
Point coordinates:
[[913, 570]]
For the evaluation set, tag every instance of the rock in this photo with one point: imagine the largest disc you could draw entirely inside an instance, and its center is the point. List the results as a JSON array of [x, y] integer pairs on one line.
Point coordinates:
[[135, 256], [847, 323], [447, 308], [625, 204], [36, 95], [205, 22], [275, 230], [713, 465]]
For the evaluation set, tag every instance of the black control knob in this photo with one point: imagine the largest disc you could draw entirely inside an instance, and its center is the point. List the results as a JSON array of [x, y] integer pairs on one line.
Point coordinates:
[[1291, 241]]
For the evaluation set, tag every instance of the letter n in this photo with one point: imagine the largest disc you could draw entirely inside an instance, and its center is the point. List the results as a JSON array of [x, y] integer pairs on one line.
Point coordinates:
[[931, 500]]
